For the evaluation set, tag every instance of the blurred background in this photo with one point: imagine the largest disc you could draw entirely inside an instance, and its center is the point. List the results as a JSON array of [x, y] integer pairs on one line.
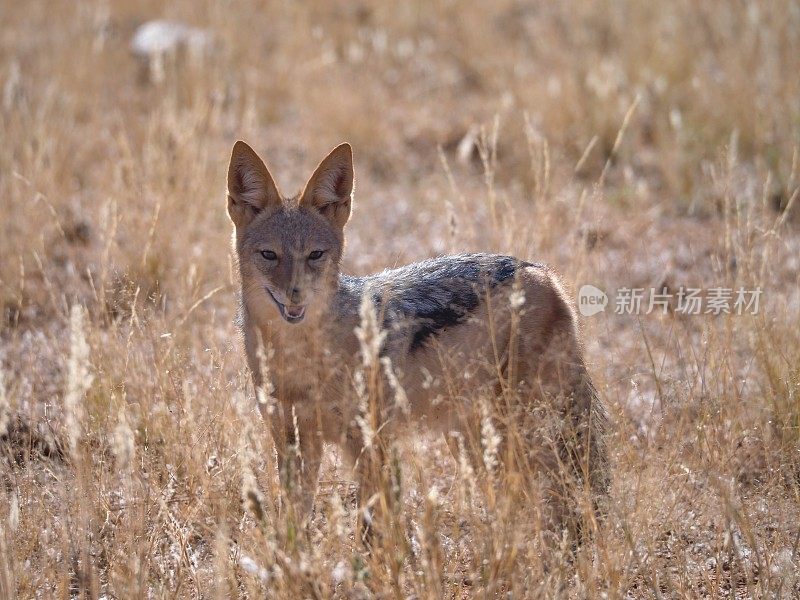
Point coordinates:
[[121, 115], [627, 143]]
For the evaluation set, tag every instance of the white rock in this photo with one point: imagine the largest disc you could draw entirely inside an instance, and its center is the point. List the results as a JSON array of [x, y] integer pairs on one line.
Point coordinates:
[[161, 36], [155, 42]]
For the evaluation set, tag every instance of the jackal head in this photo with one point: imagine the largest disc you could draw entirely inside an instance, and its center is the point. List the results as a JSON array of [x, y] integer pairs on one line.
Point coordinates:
[[289, 248]]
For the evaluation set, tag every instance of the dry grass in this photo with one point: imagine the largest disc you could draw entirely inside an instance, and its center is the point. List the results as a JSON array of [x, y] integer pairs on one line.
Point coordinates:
[[134, 464]]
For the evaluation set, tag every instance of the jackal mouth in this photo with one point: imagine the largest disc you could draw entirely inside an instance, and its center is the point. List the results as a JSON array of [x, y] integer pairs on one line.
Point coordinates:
[[291, 314]]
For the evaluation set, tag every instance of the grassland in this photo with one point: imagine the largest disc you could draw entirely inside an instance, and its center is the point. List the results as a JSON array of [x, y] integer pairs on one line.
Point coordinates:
[[626, 143]]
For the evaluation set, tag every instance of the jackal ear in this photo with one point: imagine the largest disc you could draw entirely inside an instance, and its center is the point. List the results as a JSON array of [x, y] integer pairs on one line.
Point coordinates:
[[330, 189], [251, 188]]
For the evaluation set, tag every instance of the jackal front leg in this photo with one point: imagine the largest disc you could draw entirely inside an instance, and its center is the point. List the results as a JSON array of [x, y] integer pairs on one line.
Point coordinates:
[[254, 351], [375, 485], [299, 451]]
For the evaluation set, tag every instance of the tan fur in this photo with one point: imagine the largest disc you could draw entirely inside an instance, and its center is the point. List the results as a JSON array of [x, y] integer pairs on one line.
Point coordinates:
[[498, 352]]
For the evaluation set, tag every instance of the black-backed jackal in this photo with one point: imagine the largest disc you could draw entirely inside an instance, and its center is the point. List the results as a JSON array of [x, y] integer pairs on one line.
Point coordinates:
[[446, 343]]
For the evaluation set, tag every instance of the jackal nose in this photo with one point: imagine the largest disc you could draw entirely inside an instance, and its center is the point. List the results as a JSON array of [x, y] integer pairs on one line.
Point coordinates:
[[294, 294]]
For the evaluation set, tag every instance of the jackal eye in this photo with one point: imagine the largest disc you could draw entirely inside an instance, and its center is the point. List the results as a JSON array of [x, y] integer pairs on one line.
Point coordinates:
[[316, 254], [269, 255]]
